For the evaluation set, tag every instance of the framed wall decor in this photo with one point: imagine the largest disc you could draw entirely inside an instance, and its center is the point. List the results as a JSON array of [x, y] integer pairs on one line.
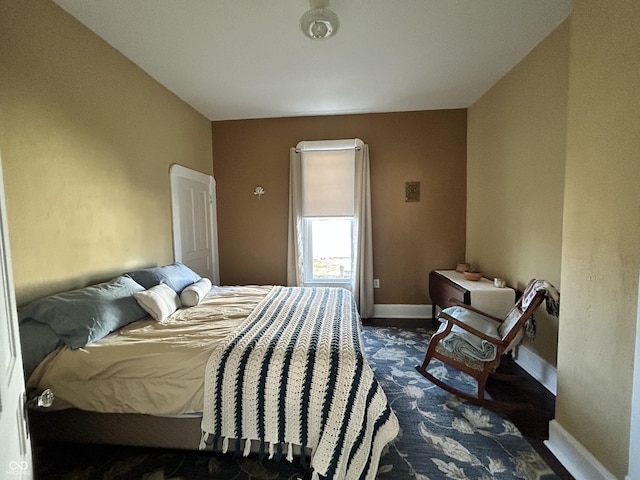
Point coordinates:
[[412, 191]]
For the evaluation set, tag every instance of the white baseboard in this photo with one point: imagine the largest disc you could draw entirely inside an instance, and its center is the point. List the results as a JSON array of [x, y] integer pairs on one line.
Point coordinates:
[[574, 456], [401, 311], [537, 367]]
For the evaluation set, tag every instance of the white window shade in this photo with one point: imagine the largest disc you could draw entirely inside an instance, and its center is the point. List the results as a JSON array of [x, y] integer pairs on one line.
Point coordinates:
[[328, 180]]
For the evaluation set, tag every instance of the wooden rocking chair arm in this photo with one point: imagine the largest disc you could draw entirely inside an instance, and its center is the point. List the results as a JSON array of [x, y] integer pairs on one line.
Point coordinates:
[[468, 328], [458, 303]]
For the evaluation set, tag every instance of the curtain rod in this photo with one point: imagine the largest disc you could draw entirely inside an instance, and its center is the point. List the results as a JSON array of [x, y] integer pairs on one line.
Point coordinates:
[[300, 150]]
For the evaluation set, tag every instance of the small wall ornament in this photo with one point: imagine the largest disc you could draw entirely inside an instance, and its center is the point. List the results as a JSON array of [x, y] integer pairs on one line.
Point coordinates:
[[259, 191]]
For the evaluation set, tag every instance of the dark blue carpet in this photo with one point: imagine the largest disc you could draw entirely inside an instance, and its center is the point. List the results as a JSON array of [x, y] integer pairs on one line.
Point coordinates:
[[441, 436]]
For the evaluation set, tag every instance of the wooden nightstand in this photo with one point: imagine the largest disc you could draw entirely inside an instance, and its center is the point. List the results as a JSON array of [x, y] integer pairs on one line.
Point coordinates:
[[483, 295]]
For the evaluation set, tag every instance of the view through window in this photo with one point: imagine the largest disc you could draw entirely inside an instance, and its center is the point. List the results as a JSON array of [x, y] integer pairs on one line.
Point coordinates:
[[330, 248]]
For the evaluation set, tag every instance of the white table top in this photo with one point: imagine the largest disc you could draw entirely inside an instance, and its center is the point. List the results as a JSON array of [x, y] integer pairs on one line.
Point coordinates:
[[484, 295]]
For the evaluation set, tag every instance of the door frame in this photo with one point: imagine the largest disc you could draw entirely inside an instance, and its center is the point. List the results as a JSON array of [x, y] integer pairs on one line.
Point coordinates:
[[176, 172], [634, 433]]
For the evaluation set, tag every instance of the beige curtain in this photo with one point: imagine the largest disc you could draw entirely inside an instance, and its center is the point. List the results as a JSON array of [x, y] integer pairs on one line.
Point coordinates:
[[295, 260], [362, 279]]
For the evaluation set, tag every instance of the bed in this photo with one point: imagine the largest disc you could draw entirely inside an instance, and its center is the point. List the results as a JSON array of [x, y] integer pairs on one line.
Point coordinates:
[[278, 371]]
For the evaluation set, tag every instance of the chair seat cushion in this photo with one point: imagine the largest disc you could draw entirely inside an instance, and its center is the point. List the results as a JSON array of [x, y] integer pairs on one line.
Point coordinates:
[[472, 363], [465, 343]]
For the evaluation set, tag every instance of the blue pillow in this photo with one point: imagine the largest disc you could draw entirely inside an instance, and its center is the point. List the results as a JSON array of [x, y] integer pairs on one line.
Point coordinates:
[[38, 340], [177, 276], [80, 317]]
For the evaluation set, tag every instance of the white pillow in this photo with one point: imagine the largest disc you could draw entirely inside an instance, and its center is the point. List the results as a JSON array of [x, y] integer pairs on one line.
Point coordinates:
[[194, 293], [159, 301]]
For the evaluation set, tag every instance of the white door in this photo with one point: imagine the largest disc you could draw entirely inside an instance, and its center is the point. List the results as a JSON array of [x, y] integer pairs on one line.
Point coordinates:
[[193, 207], [15, 453]]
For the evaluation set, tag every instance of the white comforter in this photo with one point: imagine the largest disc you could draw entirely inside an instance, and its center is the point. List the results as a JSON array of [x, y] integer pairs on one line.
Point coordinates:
[[147, 367]]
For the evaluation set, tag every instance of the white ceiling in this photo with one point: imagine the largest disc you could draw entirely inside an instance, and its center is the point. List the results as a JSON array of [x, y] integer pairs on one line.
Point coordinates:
[[238, 59]]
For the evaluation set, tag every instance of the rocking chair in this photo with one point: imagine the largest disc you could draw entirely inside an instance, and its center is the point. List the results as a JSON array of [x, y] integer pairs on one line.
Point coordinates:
[[474, 342]]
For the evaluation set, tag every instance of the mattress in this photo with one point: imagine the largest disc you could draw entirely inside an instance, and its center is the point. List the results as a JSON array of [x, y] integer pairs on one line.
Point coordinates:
[[147, 367]]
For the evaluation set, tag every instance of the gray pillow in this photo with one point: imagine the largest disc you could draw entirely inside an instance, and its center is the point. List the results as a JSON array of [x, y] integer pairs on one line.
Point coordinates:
[[80, 317], [38, 340], [177, 276]]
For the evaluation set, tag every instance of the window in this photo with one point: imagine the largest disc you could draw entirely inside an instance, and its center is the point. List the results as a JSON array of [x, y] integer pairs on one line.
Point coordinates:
[[328, 199], [328, 249], [329, 233]]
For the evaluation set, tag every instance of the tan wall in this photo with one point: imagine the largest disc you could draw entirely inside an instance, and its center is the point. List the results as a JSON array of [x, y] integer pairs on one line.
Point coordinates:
[[409, 239], [87, 140], [515, 167], [601, 253], [521, 120]]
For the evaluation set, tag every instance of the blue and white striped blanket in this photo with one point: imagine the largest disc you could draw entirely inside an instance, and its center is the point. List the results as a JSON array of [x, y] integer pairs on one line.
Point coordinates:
[[295, 374]]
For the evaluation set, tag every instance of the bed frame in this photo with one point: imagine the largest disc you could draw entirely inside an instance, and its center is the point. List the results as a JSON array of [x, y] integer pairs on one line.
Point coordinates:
[[77, 426]]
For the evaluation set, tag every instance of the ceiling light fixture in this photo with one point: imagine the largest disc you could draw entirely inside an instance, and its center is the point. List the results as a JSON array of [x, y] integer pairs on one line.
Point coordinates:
[[319, 23]]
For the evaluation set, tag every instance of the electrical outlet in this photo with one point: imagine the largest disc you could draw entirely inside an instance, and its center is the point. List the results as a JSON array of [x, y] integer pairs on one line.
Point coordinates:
[[376, 283]]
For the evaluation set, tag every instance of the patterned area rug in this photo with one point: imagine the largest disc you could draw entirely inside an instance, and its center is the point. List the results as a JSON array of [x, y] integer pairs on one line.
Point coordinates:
[[440, 436]]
